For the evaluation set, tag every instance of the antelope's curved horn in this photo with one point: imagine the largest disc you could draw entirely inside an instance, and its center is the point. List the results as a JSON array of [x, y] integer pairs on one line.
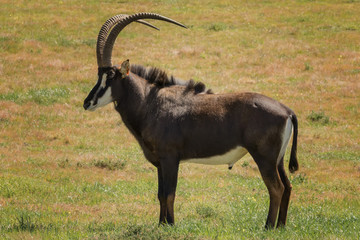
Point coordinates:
[[109, 44], [103, 33]]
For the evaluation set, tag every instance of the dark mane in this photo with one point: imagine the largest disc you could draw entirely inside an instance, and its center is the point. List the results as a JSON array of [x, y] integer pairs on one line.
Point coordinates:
[[160, 79]]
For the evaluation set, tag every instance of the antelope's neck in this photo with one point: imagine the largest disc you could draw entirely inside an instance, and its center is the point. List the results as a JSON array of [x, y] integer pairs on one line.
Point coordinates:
[[130, 103]]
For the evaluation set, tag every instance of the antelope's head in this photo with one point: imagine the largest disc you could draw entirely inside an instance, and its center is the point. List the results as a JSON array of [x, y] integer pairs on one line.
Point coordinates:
[[102, 94]]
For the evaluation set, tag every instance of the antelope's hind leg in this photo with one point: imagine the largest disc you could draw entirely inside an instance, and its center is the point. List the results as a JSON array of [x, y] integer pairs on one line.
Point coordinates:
[[284, 205], [270, 175]]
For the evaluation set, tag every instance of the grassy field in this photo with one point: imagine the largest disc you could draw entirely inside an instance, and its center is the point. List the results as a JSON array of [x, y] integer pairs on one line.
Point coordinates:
[[70, 174]]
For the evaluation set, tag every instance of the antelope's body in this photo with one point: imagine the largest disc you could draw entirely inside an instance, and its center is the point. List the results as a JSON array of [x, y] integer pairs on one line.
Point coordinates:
[[178, 121]]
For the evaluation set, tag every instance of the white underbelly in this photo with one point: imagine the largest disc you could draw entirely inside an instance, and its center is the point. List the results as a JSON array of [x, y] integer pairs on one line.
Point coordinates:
[[229, 158]]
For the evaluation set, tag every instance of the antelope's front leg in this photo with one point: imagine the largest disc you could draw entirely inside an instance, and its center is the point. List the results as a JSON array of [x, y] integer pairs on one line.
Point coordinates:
[[167, 177], [161, 197]]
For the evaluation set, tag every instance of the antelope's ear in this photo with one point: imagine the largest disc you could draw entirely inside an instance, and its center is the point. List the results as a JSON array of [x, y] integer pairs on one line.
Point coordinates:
[[125, 68]]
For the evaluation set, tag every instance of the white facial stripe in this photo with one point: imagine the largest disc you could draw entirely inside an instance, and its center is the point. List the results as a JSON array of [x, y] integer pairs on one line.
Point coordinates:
[[102, 85], [105, 99], [103, 81]]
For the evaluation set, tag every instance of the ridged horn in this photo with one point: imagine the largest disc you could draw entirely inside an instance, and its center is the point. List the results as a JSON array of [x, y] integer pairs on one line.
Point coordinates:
[[103, 33], [109, 44]]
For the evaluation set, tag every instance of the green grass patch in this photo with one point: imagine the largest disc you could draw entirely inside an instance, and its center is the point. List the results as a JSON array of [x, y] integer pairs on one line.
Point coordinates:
[[205, 211], [63, 163], [340, 155], [307, 66], [109, 164], [217, 27], [45, 96], [318, 118], [10, 44], [4, 122], [26, 221], [36, 161], [354, 71]]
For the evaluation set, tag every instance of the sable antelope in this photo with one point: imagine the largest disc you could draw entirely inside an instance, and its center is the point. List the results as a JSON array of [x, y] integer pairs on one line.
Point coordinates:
[[178, 121]]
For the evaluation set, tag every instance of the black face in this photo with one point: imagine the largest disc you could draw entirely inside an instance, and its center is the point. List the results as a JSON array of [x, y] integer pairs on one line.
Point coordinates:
[[101, 94]]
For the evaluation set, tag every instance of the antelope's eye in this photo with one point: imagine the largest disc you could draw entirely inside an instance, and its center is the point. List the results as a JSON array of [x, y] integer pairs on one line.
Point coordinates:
[[111, 74]]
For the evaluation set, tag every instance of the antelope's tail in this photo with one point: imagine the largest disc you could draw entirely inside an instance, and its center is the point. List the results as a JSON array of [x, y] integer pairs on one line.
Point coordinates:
[[293, 164]]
